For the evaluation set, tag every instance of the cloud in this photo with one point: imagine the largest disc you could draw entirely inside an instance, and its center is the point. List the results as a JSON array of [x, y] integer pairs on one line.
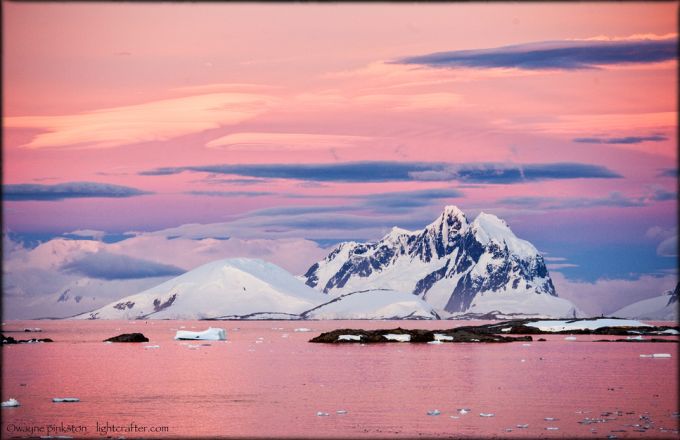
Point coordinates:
[[107, 266], [152, 121], [384, 171], [614, 199], [660, 195], [668, 247], [69, 190], [231, 193], [668, 172], [621, 140], [608, 295], [564, 55], [288, 141]]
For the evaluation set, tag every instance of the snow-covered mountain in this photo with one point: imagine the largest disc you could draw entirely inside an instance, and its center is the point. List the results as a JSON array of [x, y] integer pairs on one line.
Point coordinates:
[[373, 304], [243, 288], [660, 308], [456, 266], [231, 288]]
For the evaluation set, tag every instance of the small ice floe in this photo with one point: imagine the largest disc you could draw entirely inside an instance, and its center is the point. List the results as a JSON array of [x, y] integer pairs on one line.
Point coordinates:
[[635, 338], [398, 338], [341, 412], [33, 329], [11, 403], [322, 414], [523, 426], [550, 419], [349, 338], [656, 355], [302, 329], [435, 342], [152, 346], [486, 414], [441, 337], [551, 428], [463, 410], [108, 342], [65, 399], [570, 338], [433, 412], [212, 334]]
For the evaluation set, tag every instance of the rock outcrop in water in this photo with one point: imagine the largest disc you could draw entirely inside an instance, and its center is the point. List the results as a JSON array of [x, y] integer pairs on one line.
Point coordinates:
[[128, 337], [461, 334], [11, 340]]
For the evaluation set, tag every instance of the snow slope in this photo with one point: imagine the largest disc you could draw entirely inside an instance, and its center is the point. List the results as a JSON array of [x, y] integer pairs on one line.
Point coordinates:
[[373, 304], [660, 308], [234, 288], [455, 266]]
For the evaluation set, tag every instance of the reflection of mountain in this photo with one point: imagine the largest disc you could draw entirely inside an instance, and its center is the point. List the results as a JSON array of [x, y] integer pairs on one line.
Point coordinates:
[[456, 266]]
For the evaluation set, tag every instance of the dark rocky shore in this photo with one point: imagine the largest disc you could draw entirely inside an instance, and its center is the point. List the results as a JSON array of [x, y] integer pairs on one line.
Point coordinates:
[[418, 336], [490, 333]]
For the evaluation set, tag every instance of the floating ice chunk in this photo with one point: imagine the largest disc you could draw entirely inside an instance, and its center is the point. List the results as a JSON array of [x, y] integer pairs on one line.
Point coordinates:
[[634, 338], [341, 411], [399, 338], [33, 329], [65, 399], [212, 334], [433, 412], [322, 414], [523, 426], [656, 355], [349, 338], [463, 410], [551, 428], [302, 329], [526, 345], [435, 342], [11, 403], [570, 338], [441, 337], [550, 419], [152, 346], [486, 414]]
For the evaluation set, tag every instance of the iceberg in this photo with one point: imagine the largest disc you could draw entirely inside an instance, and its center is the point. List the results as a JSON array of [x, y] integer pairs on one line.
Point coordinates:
[[10, 403], [212, 334]]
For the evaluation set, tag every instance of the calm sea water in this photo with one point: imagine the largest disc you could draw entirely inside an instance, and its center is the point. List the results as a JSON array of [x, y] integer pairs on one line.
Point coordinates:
[[268, 381]]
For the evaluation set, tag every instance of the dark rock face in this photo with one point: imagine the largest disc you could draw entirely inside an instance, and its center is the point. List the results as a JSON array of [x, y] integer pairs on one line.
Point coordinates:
[[128, 337], [11, 340], [461, 334]]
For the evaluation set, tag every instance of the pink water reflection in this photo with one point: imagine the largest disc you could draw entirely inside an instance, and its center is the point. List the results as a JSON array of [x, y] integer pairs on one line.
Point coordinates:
[[267, 381]]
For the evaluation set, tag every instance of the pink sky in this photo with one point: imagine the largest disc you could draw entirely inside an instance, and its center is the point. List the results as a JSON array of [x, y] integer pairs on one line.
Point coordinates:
[[100, 92]]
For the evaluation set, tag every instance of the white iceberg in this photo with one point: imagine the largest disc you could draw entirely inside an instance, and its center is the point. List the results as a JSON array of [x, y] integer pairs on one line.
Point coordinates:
[[10, 403], [399, 338], [65, 399], [486, 414], [656, 355], [302, 329], [212, 334]]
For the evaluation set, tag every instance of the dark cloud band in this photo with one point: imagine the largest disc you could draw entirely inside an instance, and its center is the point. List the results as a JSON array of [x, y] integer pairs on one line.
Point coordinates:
[[621, 140], [568, 54], [403, 171], [69, 190]]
